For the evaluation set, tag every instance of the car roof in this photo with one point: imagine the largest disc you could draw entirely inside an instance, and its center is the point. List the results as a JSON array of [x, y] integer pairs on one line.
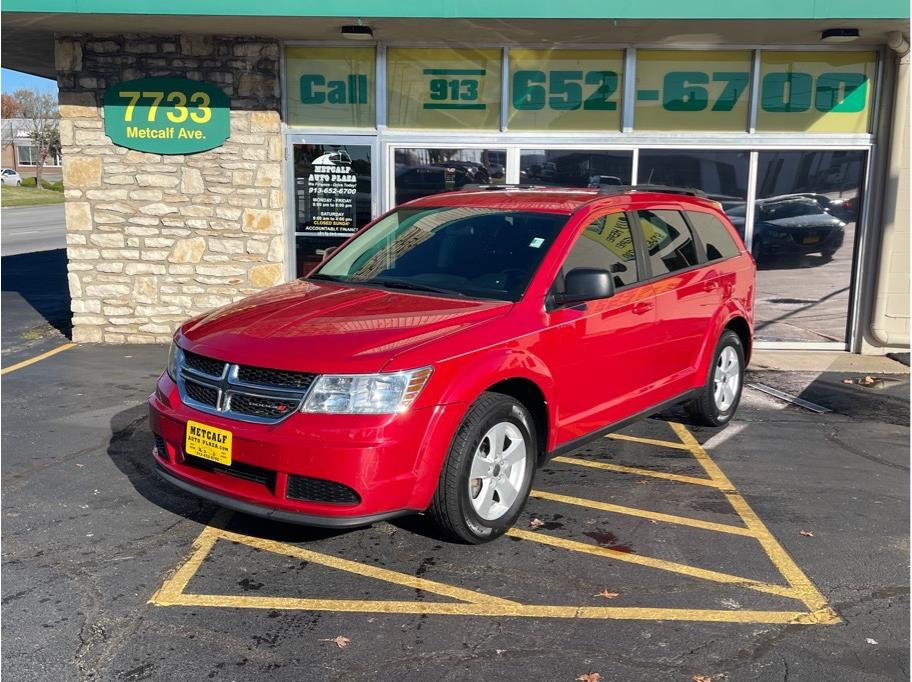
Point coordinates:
[[550, 199]]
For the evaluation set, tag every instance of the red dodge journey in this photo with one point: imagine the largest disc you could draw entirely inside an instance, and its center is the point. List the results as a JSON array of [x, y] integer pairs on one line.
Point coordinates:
[[441, 355]]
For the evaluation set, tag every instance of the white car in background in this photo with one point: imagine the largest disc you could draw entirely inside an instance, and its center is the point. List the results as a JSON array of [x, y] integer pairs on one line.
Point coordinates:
[[10, 177]]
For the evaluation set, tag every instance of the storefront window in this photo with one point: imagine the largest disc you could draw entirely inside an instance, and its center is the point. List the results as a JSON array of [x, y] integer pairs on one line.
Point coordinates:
[[421, 172], [805, 218], [332, 198], [566, 89], [331, 86], [721, 174], [692, 90], [444, 88], [575, 167], [816, 92]]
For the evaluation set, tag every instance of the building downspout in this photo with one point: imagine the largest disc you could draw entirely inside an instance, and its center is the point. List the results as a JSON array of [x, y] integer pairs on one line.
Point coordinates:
[[895, 212]]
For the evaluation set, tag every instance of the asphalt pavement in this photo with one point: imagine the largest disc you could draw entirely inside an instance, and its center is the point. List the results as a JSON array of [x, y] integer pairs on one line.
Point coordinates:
[[28, 229], [777, 547]]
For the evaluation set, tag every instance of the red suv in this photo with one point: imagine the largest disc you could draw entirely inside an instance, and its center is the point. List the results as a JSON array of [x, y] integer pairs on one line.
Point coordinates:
[[448, 349]]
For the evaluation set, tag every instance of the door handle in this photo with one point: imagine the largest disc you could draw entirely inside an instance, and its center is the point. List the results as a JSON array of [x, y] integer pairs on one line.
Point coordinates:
[[642, 307]]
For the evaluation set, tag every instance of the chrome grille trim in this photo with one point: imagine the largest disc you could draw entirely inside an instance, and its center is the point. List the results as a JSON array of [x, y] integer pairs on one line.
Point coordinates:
[[228, 384]]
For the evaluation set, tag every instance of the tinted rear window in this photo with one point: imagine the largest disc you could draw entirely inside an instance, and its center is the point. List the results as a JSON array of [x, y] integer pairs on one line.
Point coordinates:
[[668, 239], [714, 235]]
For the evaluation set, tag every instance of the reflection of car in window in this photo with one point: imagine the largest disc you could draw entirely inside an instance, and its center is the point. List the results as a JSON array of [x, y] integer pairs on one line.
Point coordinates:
[[413, 182], [795, 224]]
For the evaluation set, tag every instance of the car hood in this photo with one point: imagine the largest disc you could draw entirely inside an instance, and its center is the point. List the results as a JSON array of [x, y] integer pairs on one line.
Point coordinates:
[[326, 327]]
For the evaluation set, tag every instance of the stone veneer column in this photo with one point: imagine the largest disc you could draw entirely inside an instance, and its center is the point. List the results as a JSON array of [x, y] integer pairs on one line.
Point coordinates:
[[152, 239]]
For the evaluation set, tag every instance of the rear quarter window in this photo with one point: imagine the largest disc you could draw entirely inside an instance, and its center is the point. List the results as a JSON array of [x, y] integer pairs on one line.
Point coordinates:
[[714, 235]]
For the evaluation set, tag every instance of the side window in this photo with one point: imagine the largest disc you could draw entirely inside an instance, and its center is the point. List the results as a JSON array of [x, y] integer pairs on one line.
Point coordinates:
[[670, 245], [714, 235], [606, 243]]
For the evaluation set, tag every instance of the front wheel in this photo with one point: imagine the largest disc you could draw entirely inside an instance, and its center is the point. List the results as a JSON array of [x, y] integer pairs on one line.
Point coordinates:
[[719, 398], [488, 471]]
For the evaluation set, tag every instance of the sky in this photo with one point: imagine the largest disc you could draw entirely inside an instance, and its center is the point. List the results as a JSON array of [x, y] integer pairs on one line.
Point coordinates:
[[14, 80]]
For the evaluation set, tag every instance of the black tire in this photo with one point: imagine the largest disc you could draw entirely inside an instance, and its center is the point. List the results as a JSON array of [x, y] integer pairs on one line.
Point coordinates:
[[703, 409], [451, 509]]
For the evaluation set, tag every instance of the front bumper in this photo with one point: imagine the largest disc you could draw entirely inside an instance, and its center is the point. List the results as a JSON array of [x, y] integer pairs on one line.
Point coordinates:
[[391, 462], [779, 242]]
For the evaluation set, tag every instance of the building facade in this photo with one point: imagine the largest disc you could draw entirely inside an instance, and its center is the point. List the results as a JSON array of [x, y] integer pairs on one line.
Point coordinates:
[[802, 140], [19, 152]]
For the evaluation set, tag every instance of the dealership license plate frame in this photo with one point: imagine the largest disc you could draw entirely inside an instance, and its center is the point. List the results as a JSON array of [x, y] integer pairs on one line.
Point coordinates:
[[208, 448]]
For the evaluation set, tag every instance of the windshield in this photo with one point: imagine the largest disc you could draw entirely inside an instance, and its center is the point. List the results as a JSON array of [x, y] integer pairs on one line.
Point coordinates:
[[474, 252]]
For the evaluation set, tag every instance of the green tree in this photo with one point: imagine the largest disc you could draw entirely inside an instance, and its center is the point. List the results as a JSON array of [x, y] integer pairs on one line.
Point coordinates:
[[40, 116]]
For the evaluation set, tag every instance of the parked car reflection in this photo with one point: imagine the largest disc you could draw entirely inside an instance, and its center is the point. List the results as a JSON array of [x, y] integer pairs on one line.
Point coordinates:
[[796, 224]]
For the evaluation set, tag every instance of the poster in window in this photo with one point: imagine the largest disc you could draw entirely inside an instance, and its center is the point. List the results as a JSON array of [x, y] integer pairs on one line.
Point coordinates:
[[332, 188]]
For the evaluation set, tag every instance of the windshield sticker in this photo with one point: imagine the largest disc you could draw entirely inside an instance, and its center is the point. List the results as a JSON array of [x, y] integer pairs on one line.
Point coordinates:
[[537, 242]]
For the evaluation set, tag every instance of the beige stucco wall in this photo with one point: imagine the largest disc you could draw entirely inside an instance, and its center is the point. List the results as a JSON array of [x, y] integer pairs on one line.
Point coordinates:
[[153, 240], [889, 320]]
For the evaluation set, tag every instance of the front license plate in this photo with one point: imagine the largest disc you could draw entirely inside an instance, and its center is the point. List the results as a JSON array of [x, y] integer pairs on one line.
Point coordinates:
[[812, 239], [208, 442]]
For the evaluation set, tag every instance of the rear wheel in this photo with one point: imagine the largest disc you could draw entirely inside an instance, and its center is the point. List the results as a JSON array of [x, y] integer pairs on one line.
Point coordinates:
[[488, 472], [719, 398]]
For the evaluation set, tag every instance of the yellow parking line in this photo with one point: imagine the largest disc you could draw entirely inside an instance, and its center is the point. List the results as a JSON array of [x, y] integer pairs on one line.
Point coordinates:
[[802, 585], [174, 587], [37, 358], [680, 478], [648, 441], [502, 610], [661, 564], [644, 513]]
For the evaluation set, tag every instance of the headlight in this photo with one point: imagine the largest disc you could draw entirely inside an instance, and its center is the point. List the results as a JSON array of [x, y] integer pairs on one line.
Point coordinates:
[[366, 393], [173, 356]]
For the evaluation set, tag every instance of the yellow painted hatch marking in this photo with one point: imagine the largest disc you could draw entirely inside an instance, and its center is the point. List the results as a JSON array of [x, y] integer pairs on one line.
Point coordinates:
[[679, 478], [473, 603]]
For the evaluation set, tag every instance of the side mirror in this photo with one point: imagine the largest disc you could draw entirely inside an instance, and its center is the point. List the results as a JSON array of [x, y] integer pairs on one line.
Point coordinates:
[[586, 284], [328, 251]]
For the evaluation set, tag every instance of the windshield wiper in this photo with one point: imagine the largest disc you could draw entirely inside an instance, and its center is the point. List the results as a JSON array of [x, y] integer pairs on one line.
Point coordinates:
[[414, 286]]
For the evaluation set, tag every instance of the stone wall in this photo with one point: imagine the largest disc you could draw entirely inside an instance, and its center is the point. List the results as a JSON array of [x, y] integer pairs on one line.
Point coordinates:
[[153, 240]]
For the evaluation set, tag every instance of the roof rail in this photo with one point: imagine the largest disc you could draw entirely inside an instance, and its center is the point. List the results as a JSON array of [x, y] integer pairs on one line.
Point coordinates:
[[492, 188], [664, 189]]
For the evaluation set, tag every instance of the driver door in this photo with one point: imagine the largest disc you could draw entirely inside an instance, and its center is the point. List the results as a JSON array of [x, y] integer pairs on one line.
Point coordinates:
[[605, 371]]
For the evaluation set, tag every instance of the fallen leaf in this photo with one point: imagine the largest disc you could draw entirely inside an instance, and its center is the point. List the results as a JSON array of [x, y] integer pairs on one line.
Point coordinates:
[[868, 640], [339, 641], [848, 381], [536, 523], [645, 480], [701, 678], [608, 595], [868, 380], [589, 677], [806, 533]]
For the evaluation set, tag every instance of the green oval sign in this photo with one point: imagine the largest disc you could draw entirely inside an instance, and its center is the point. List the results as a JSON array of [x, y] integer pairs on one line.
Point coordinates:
[[167, 115]]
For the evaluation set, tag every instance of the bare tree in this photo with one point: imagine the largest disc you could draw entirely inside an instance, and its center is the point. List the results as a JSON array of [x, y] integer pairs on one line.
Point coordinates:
[[40, 117], [9, 111]]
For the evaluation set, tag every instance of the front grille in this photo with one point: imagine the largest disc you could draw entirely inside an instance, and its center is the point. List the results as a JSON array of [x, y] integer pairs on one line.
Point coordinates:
[[248, 472], [317, 490], [274, 377], [242, 392], [209, 366], [258, 406], [201, 393]]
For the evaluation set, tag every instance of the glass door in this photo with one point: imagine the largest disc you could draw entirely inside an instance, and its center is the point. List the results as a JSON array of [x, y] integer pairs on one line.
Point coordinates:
[[334, 188]]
